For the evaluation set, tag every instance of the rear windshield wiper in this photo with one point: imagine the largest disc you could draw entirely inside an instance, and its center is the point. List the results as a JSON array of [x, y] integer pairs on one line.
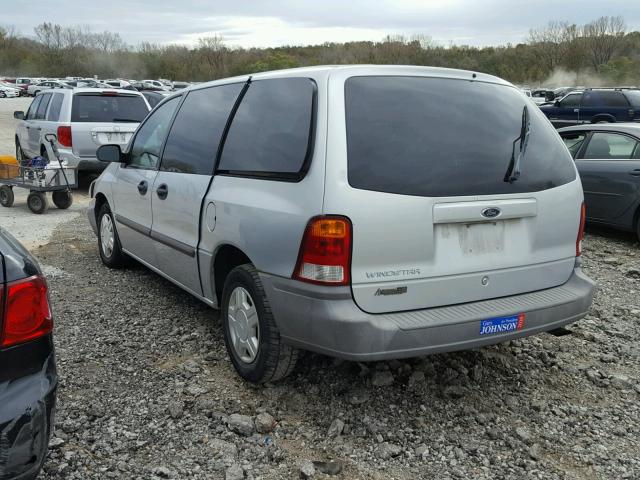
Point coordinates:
[[126, 120], [513, 172]]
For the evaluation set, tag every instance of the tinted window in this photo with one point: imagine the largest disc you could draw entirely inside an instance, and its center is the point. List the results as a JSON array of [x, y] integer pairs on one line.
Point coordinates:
[[570, 101], [612, 146], [574, 141], [602, 99], [634, 97], [441, 137], [148, 142], [192, 145], [56, 106], [108, 108], [42, 108], [31, 113], [270, 131]]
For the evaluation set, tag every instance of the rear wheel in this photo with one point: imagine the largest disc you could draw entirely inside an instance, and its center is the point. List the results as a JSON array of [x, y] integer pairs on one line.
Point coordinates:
[[6, 196], [19, 153], [37, 202], [108, 241], [62, 199], [2, 94], [250, 333]]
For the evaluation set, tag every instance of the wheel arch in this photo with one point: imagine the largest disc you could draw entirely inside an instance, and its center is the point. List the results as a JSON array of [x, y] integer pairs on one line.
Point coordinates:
[[101, 199], [603, 117], [226, 258]]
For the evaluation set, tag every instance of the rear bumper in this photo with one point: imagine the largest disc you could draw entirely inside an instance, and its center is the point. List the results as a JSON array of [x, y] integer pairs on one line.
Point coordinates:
[[83, 164], [327, 320], [27, 407]]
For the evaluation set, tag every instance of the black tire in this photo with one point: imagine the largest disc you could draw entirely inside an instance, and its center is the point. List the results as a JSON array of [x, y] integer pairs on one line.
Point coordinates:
[[19, 153], [117, 258], [37, 202], [6, 196], [2, 94], [274, 359], [62, 199]]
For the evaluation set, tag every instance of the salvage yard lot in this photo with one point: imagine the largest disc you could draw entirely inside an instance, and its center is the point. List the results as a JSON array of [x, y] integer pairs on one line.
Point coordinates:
[[147, 390]]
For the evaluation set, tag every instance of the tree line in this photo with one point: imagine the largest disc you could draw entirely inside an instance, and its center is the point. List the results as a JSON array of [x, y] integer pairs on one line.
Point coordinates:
[[601, 51]]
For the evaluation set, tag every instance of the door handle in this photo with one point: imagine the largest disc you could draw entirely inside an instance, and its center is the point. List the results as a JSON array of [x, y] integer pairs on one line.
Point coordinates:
[[142, 187], [635, 173], [576, 110], [162, 191]]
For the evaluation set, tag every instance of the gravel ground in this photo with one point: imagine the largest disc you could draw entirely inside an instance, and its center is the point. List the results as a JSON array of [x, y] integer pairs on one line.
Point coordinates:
[[147, 390]]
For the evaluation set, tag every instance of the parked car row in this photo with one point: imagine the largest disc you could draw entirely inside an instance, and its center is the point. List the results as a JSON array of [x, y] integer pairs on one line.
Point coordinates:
[[31, 86]]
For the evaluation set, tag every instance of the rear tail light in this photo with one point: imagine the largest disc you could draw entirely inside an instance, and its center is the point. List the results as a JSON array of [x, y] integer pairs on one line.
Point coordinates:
[[27, 314], [583, 219], [64, 136], [109, 93], [325, 252]]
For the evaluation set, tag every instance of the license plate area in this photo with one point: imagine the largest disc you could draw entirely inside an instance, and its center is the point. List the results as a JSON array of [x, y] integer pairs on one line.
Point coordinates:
[[494, 326]]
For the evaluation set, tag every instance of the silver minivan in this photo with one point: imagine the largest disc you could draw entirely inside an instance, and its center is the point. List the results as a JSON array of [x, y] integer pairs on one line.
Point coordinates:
[[83, 119], [364, 212]]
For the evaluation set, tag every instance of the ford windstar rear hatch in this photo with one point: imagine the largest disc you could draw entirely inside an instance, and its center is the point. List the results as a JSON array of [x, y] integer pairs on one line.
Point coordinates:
[[458, 190]]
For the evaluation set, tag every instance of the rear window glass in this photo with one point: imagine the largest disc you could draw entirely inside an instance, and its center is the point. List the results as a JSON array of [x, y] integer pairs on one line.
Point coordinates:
[[108, 108], [270, 132], [442, 137]]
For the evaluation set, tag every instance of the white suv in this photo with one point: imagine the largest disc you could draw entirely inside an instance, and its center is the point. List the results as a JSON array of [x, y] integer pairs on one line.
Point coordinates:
[[365, 212]]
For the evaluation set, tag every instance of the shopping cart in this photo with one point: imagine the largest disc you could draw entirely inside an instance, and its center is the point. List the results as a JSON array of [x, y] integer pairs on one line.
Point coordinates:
[[39, 178]]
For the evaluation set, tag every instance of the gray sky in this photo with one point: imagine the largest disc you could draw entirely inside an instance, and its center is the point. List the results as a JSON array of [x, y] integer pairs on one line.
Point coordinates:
[[250, 23]]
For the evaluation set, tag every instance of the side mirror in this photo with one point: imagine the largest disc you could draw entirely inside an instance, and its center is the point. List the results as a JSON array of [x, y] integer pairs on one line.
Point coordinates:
[[109, 153], [557, 103], [18, 115]]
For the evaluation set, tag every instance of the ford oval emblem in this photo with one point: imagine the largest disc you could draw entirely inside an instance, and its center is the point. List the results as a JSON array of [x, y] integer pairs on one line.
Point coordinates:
[[491, 212]]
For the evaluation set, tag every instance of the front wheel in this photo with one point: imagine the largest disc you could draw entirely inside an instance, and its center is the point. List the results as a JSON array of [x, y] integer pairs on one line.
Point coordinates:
[[108, 241], [19, 153], [250, 332]]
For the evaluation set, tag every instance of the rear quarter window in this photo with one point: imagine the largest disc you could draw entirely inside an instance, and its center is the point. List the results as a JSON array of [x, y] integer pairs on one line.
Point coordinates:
[[108, 108], [42, 108], [443, 137], [271, 133], [634, 97], [56, 106]]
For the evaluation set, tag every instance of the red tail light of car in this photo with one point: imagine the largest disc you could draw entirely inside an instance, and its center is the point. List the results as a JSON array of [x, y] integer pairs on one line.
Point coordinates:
[[325, 252], [64, 136], [583, 219], [27, 314]]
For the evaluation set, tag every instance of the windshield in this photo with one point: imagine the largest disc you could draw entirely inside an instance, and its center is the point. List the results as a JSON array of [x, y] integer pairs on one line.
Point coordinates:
[[444, 137], [108, 108]]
